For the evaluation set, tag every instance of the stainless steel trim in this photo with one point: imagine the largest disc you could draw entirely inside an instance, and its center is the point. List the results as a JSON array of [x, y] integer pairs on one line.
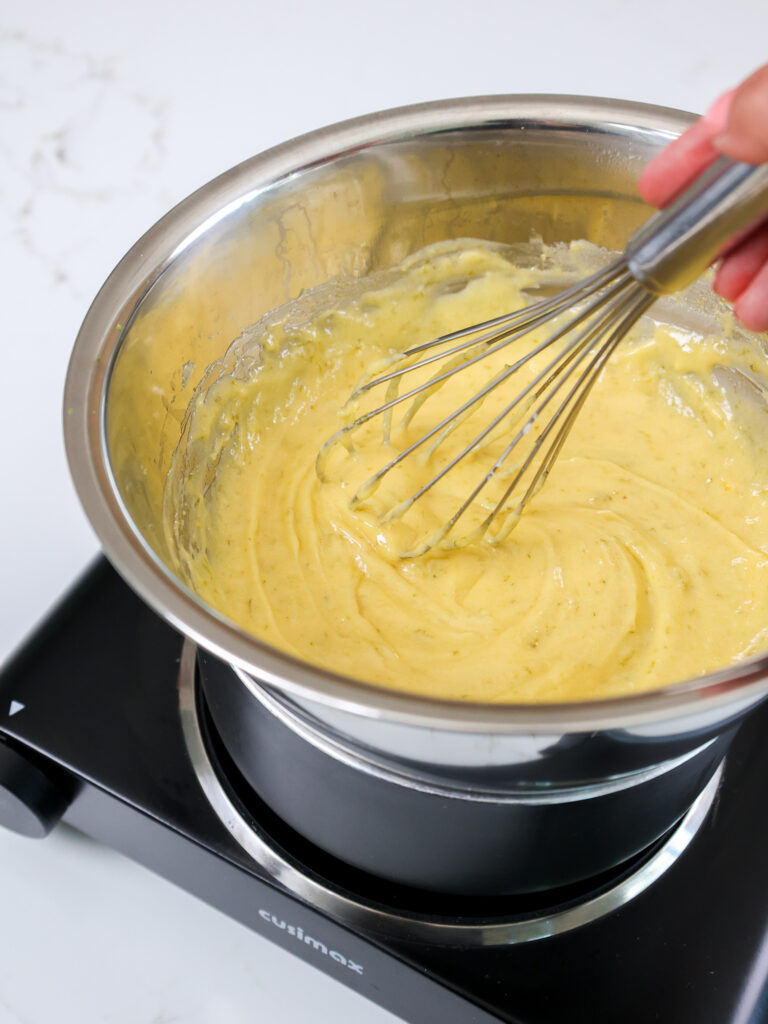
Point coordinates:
[[314, 732], [389, 922]]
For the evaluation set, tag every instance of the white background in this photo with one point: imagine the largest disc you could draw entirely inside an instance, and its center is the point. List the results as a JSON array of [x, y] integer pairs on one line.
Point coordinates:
[[110, 114]]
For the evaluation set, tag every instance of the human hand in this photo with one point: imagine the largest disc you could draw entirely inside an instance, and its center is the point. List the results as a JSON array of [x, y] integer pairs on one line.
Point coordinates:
[[736, 125]]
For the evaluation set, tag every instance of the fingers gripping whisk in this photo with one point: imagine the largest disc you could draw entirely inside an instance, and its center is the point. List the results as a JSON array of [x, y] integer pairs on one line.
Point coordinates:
[[520, 435]]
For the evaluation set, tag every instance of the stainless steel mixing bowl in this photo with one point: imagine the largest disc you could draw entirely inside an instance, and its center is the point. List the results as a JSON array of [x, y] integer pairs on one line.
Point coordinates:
[[342, 202]]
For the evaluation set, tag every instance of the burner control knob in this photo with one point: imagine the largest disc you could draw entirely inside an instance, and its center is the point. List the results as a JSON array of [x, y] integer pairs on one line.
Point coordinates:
[[31, 800]]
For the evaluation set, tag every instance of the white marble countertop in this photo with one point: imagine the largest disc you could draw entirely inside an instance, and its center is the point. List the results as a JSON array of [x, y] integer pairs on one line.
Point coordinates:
[[109, 114]]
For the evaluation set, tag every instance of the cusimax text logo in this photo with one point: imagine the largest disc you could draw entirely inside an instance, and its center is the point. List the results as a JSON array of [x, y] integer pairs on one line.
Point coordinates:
[[298, 932]]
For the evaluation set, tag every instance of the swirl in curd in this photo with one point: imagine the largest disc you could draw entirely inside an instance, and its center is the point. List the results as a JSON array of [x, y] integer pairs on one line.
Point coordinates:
[[643, 560]]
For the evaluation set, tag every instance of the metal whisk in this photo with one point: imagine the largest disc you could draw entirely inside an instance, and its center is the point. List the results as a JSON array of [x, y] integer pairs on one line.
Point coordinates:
[[666, 254]]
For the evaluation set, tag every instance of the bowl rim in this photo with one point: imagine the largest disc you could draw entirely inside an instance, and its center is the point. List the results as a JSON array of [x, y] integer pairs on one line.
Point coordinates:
[[98, 343]]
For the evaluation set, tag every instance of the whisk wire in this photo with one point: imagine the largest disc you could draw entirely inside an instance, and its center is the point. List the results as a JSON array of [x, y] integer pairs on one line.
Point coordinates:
[[572, 356], [445, 425], [570, 407], [516, 326], [540, 382], [525, 317]]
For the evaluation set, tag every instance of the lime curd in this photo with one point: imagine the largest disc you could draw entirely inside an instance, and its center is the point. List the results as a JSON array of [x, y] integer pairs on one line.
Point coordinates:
[[643, 560]]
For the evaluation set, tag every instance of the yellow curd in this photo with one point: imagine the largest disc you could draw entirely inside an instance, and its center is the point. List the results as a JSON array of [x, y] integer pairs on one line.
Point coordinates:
[[642, 561]]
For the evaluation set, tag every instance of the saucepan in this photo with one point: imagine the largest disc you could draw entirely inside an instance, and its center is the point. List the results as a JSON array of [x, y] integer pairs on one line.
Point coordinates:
[[451, 796]]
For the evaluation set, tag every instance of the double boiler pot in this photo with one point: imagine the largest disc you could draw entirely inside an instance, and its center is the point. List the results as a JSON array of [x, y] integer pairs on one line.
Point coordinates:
[[449, 796]]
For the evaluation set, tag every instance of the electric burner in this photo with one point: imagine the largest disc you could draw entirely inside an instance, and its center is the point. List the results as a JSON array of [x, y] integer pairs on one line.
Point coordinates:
[[103, 725], [385, 908]]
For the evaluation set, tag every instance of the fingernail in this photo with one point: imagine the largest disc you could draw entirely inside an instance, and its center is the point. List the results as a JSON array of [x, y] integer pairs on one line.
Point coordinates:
[[752, 308], [717, 115], [723, 140], [740, 147]]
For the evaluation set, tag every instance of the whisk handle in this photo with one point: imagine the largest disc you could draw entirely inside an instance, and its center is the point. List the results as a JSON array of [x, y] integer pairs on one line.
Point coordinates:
[[678, 243]]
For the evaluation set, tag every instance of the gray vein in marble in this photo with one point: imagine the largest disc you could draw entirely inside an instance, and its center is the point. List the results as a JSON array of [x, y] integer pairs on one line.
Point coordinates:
[[64, 115]]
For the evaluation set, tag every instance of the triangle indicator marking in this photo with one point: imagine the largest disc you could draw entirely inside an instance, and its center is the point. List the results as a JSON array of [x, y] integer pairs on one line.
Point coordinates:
[[15, 707]]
